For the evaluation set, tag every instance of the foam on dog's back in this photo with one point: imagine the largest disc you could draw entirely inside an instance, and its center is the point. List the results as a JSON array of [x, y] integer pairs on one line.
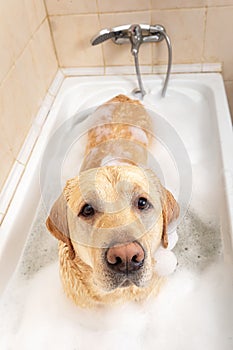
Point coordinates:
[[119, 129]]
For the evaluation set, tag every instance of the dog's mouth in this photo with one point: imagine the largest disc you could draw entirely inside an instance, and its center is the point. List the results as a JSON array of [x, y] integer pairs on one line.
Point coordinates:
[[126, 283], [112, 281]]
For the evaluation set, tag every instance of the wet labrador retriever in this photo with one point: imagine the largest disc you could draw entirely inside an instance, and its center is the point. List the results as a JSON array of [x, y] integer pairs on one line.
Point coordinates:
[[113, 216]]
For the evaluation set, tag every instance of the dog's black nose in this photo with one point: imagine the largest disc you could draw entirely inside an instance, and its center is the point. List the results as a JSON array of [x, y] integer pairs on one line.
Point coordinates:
[[125, 258]]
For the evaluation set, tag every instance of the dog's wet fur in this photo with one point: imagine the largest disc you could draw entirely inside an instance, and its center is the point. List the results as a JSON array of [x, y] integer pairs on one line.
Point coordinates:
[[113, 216]]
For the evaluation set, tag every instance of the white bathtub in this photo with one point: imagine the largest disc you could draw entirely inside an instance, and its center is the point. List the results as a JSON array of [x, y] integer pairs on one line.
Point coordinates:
[[196, 111]]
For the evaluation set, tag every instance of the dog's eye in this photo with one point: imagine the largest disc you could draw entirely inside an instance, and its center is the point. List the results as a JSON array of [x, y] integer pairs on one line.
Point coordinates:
[[143, 203], [87, 211]]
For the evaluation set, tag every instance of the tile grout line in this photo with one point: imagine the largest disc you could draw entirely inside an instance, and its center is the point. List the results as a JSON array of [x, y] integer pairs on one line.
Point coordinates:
[[21, 52], [136, 11], [151, 43], [102, 48], [148, 69], [51, 33], [204, 37]]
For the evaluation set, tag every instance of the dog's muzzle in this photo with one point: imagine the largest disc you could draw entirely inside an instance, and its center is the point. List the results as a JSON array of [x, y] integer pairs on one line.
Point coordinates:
[[125, 259]]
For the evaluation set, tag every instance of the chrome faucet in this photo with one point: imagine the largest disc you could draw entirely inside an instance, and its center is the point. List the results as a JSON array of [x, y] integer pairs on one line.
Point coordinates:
[[135, 37], [137, 34]]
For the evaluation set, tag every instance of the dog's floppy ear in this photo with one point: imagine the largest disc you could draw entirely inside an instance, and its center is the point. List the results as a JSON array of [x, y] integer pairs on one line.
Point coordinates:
[[57, 223], [171, 212], [170, 208]]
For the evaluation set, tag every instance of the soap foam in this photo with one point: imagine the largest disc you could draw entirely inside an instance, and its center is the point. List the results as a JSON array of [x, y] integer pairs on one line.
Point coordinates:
[[193, 311]]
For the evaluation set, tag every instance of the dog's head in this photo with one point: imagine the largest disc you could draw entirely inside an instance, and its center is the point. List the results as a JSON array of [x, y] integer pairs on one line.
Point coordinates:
[[114, 218]]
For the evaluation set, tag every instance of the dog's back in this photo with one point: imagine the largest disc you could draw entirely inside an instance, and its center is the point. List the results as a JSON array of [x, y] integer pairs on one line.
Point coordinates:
[[120, 134]]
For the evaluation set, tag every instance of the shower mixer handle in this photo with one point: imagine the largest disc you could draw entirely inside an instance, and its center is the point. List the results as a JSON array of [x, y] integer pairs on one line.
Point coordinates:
[[150, 33], [135, 37]]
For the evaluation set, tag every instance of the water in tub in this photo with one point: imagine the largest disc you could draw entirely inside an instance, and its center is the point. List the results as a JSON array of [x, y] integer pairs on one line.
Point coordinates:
[[195, 308]]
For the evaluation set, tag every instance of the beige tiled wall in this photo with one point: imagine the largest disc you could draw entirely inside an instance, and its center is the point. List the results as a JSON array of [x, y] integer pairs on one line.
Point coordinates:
[[200, 30], [27, 67]]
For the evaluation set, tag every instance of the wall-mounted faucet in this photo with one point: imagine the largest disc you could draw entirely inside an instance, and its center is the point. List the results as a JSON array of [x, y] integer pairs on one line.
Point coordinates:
[[137, 34]]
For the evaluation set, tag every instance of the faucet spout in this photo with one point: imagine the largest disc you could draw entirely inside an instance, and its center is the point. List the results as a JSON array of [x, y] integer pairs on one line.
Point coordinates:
[[136, 39]]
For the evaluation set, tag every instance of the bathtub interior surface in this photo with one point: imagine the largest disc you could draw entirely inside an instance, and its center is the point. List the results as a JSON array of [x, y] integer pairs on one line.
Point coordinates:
[[191, 111]]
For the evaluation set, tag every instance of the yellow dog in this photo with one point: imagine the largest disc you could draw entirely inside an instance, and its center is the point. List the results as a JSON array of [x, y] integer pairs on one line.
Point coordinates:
[[112, 217]]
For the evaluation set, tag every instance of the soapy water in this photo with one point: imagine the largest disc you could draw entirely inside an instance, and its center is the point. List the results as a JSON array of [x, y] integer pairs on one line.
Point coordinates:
[[194, 309]]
